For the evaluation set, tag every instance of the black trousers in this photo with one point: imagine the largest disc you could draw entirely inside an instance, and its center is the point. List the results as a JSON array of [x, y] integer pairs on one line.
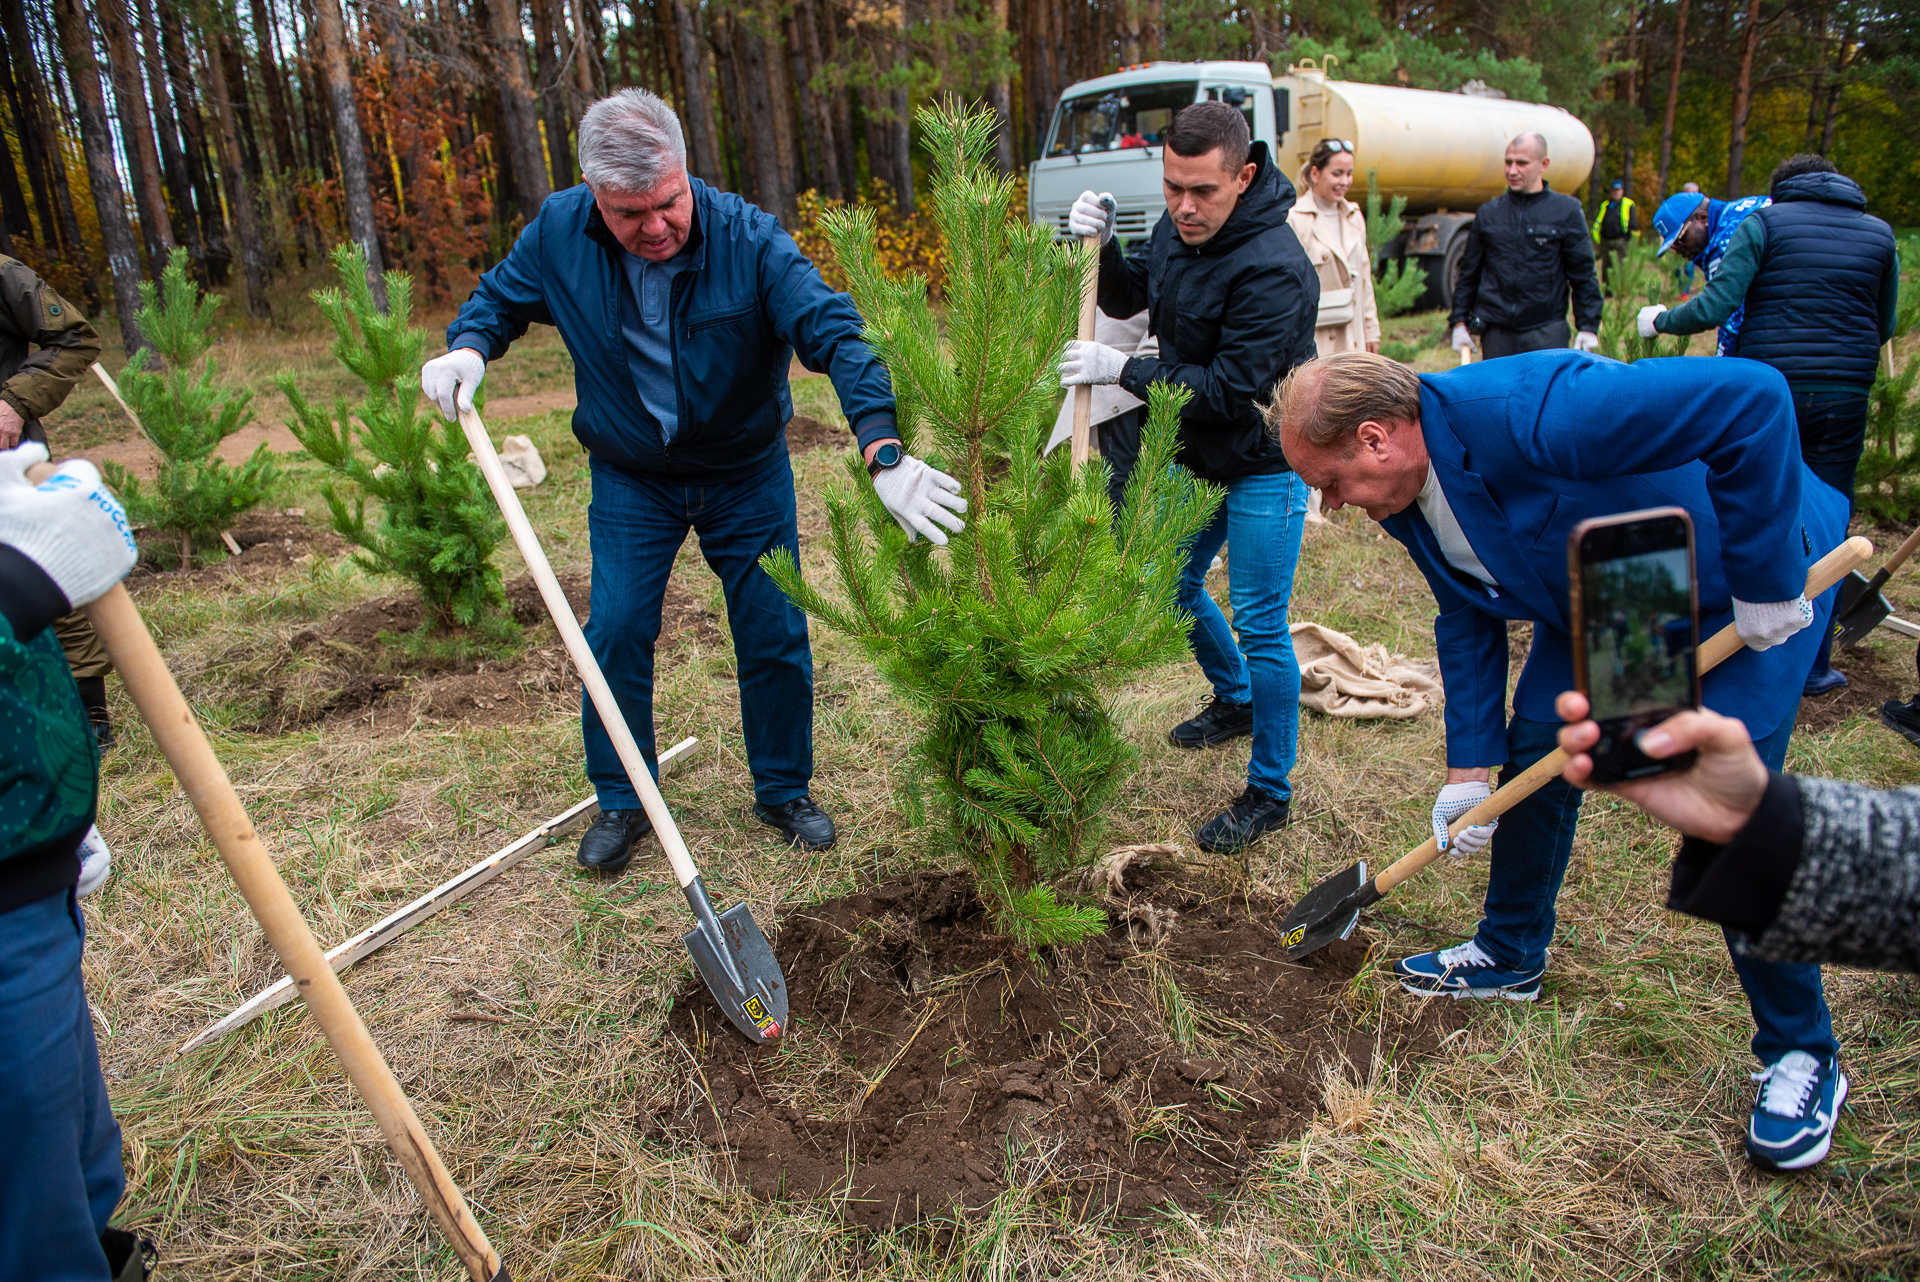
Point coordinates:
[[1833, 432], [1120, 446], [1499, 341]]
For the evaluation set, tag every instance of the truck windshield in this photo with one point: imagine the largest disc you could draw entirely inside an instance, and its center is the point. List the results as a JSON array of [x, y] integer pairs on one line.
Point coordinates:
[[1132, 117]]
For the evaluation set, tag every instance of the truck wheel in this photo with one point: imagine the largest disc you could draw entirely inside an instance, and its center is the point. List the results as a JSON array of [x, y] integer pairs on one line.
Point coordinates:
[[1450, 268]]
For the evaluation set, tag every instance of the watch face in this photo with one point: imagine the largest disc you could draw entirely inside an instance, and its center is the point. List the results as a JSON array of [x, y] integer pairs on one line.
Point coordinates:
[[887, 455]]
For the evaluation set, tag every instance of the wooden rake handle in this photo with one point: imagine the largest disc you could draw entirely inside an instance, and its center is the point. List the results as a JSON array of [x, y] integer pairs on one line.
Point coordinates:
[[141, 667], [1826, 572]]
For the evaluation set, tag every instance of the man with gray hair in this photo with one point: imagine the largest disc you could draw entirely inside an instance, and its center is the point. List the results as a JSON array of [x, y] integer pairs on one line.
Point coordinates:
[[682, 307], [1527, 251]]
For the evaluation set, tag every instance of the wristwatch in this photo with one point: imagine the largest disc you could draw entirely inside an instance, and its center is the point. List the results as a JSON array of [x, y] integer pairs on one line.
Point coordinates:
[[886, 456]]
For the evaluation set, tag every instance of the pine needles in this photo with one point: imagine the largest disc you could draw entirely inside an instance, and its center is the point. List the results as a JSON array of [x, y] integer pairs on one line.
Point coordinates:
[[1008, 643]]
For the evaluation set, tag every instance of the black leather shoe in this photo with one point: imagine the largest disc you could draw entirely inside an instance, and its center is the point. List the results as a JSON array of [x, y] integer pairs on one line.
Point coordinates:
[[803, 824], [607, 845], [1903, 719], [1251, 813], [1218, 722], [130, 1258]]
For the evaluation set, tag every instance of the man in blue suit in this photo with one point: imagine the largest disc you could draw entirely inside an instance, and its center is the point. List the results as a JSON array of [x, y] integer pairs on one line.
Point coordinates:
[[1481, 473]]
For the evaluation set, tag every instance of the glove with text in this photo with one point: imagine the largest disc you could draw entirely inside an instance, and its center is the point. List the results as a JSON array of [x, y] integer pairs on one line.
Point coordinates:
[[69, 525]]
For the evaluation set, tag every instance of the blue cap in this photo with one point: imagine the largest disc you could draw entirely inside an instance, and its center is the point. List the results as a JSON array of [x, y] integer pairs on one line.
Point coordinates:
[[1616, 185], [1672, 216]]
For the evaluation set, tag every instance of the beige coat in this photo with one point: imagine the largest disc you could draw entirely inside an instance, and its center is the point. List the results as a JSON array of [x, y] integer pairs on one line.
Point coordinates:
[[1337, 271]]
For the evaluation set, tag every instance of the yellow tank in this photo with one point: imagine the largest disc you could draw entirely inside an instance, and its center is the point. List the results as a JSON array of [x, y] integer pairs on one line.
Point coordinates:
[[1441, 151]]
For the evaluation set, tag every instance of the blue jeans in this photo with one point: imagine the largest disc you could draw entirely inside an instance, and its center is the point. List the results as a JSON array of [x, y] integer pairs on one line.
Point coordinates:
[[1529, 859], [60, 1174], [1261, 519], [636, 525]]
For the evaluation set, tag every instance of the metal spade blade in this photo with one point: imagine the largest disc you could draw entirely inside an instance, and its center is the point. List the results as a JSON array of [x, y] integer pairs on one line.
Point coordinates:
[[1328, 912], [1862, 608], [738, 965]]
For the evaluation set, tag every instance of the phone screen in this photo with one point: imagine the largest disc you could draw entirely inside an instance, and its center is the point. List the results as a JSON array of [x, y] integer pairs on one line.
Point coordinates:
[[1639, 633]]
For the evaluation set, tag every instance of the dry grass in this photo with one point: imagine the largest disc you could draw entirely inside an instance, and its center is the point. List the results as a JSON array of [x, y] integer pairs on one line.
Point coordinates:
[[1597, 1134]]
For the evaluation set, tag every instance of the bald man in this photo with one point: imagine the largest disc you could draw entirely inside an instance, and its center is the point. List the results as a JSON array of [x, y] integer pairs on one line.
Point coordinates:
[[1527, 253]]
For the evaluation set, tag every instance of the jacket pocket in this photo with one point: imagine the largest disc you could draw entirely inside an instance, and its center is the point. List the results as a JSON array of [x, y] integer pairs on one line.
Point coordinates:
[[713, 320]]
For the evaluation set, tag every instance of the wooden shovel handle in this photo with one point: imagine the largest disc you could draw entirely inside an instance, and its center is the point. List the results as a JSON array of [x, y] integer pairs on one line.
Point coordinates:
[[1894, 562], [1826, 572], [1089, 305], [199, 772], [576, 642]]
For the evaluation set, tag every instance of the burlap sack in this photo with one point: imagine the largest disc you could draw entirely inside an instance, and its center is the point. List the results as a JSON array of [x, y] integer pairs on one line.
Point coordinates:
[[522, 462], [1342, 678]]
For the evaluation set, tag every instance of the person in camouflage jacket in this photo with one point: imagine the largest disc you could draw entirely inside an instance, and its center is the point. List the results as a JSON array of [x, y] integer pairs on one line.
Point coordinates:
[[34, 383]]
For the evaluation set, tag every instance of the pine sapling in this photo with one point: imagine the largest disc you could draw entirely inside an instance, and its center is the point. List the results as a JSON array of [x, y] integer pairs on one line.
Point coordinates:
[[1009, 642], [438, 527], [1399, 285], [1636, 280], [195, 494]]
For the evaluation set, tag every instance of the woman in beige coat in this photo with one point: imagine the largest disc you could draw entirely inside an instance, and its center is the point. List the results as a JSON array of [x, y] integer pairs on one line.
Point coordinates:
[[1333, 231]]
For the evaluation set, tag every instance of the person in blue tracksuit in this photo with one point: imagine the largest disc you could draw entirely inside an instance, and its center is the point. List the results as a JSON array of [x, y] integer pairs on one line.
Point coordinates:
[[682, 308], [1482, 473], [1701, 229]]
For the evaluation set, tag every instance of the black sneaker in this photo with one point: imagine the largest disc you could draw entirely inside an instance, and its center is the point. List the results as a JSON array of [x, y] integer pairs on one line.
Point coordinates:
[[803, 824], [608, 843], [1218, 722], [130, 1257], [1252, 813], [1903, 719]]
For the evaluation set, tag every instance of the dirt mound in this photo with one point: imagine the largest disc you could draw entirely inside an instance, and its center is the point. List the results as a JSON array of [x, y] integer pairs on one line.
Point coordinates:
[[927, 1063], [523, 597], [358, 628], [270, 544], [805, 432], [1873, 677]]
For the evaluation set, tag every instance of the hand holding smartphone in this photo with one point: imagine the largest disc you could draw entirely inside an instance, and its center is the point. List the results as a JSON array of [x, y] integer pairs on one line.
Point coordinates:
[[1636, 626]]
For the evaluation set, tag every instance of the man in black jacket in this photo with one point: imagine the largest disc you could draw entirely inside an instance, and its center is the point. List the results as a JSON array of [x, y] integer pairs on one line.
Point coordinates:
[[1231, 296], [1527, 250]]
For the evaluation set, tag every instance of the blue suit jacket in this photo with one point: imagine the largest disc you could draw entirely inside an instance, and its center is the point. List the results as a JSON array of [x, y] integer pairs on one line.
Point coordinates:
[[1527, 446]]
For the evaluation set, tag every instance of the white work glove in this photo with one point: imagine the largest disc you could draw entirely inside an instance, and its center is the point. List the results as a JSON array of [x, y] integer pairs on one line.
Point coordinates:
[[1768, 623], [1087, 362], [1455, 800], [1462, 340], [450, 381], [1647, 314], [69, 525], [96, 861], [918, 496], [1091, 215], [1586, 341]]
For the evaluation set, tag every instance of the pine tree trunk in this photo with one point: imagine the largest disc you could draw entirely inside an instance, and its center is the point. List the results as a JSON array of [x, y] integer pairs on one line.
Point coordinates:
[[1836, 81], [136, 131], [804, 36], [330, 34], [769, 191], [109, 200], [234, 69], [14, 214], [840, 105], [517, 106], [799, 72], [696, 108], [172, 164], [274, 91], [1673, 94], [585, 53], [551, 93], [999, 92], [215, 253], [1742, 102], [27, 131], [786, 143], [252, 249], [73, 245]]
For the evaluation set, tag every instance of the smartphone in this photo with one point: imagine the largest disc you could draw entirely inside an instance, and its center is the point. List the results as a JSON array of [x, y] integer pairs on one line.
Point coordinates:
[[1636, 630]]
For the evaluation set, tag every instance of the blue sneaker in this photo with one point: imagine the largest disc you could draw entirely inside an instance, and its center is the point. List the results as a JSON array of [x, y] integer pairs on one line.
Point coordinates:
[[1466, 971], [1800, 1100]]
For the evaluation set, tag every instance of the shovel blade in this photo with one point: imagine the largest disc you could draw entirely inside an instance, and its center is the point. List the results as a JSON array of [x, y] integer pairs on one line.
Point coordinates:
[[757, 1004], [1328, 912], [1859, 611]]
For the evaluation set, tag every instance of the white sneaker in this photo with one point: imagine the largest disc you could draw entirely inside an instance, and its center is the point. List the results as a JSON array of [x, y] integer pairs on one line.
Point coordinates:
[[96, 861]]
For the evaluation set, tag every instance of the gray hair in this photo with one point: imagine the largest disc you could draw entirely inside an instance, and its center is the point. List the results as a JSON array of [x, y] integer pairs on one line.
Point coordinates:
[[1325, 401], [1537, 143], [630, 141]]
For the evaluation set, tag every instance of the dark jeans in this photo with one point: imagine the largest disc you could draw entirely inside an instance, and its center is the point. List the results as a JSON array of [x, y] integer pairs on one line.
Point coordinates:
[[1833, 432], [1529, 860], [60, 1174], [1120, 446], [1498, 341], [636, 526]]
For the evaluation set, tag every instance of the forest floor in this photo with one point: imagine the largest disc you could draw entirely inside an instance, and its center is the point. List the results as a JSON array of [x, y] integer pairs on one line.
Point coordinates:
[[1597, 1133]]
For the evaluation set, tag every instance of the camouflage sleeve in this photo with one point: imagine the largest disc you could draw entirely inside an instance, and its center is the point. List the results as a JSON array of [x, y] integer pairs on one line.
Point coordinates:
[[32, 311]]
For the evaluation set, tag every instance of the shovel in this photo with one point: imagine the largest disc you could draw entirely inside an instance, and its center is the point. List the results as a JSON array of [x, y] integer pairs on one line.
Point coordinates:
[[144, 673], [1862, 607], [729, 948], [1331, 910], [1082, 446]]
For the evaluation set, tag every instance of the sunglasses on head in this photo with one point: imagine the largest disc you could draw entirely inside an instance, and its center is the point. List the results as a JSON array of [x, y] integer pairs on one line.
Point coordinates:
[[1337, 145]]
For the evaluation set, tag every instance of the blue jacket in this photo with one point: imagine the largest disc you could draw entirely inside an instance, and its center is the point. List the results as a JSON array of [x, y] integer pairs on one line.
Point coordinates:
[[750, 302], [1528, 446]]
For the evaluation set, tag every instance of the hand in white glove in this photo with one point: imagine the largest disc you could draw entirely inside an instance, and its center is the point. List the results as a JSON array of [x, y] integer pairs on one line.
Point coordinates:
[[450, 381], [1087, 362], [69, 525], [1766, 624], [1455, 800], [1091, 215], [1462, 340], [1586, 341], [96, 861], [918, 496], [1647, 314]]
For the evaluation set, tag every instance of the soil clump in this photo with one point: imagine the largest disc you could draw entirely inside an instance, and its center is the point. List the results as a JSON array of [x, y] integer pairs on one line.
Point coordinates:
[[805, 432], [928, 1064], [1873, 677]]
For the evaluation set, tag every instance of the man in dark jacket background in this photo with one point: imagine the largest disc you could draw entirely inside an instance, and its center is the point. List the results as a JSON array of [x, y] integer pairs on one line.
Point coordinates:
[[1232, 298], [1820, 280], [682, 308], [1527, 252]]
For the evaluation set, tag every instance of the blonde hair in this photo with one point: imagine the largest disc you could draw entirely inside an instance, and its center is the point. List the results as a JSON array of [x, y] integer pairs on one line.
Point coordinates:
[[1325, 401]]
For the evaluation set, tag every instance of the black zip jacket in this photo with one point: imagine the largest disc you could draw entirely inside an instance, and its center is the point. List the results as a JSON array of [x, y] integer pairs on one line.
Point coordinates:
[[1232, 315], [1524, 255]]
